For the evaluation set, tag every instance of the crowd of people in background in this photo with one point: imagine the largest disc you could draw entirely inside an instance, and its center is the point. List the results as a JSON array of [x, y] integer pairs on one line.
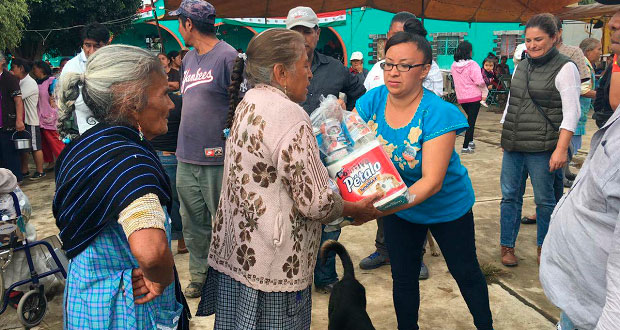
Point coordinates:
[[214, 148]]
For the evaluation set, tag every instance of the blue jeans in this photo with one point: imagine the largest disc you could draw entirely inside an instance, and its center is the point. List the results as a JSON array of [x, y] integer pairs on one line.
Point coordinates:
[[558, 185], [457, 241], [565, 323], [326, 274], [516, 166], [575, 144], [170, 166]]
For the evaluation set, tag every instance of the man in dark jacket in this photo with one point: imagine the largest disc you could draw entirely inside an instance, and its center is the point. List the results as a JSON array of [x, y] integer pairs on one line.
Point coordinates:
[[11, 120], [330, 76]]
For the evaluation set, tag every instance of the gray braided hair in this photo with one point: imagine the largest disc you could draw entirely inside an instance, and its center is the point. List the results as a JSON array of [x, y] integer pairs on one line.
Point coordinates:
[[115, 82]]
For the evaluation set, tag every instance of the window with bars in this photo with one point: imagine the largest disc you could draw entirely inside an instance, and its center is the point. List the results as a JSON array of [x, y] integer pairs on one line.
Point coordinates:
[[507, 45], [447, 45]]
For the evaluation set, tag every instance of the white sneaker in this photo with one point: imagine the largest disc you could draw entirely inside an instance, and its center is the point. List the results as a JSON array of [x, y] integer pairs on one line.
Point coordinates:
[[472, 145], [467, 151]]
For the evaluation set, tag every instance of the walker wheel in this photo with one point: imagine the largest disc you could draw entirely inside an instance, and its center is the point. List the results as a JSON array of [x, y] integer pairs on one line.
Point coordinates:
[[31, 308]]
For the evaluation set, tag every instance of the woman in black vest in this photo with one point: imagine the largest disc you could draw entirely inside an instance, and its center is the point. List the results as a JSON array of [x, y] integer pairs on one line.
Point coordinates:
[[539, 121]]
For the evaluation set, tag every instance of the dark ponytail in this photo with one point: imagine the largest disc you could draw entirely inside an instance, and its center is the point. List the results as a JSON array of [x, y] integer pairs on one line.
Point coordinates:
[[421, 43], [415, 26], [233, 92]]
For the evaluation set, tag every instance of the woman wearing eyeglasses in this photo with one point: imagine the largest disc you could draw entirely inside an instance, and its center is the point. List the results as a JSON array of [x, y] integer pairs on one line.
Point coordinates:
[[418, 132]]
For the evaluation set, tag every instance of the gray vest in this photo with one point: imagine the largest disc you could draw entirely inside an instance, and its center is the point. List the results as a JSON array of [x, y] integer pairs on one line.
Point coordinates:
[[525, 128]]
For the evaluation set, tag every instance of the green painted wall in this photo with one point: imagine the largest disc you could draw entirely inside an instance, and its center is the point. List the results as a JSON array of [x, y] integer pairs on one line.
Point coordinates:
[[355, 34], [362, 23], [137, 33]]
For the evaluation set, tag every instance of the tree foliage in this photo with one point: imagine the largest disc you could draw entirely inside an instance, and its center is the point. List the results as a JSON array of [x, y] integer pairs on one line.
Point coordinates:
[[13, 19], [55, 14]]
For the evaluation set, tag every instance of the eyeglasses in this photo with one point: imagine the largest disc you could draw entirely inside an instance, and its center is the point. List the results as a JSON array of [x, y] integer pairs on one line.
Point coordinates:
[[400, 67]]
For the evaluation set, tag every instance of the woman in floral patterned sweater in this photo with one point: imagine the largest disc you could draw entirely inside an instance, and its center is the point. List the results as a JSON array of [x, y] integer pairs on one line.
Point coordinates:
[[274, 198]]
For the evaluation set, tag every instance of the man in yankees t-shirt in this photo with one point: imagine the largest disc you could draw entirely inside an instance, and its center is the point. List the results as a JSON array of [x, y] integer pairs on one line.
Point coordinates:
[[205, 77]]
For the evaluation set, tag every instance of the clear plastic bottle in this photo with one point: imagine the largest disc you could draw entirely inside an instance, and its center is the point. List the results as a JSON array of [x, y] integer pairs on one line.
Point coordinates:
[[359, 132], [335, 142]]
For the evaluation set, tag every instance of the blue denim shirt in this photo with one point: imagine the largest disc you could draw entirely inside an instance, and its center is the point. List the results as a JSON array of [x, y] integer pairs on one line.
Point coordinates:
[[580, 262]]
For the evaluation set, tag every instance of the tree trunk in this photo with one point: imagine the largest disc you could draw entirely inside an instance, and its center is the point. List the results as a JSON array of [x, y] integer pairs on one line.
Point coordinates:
[[30, 50]]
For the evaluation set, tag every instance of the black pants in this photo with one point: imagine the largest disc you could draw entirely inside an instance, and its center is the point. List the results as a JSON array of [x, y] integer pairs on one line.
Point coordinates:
[[380, 241], [471, 109], [9, 156], [456, 239]]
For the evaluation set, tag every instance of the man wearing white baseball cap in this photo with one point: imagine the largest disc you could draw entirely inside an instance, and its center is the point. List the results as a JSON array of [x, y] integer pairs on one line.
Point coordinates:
[[357, 64], [330, 76]]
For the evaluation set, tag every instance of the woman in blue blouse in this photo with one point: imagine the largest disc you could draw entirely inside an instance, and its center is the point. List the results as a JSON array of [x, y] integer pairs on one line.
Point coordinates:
[[418, 131]]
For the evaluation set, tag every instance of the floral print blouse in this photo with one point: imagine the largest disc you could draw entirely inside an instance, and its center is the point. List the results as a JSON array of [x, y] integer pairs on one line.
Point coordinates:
[[275, 195]]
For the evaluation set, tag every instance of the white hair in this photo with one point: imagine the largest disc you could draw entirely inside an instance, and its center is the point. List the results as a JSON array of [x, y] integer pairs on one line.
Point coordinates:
[[115, 82], [588, 44]]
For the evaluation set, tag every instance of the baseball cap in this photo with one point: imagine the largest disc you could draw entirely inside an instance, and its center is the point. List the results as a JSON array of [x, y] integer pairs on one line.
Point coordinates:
[[357, 56], [197, 10], [303, 16]]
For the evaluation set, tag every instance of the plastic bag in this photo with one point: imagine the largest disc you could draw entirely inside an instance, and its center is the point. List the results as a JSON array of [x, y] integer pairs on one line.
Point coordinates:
[[355, 158]]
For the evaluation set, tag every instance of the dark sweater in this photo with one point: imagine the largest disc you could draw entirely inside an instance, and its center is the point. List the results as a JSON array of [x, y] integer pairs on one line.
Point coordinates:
[[168, 141]]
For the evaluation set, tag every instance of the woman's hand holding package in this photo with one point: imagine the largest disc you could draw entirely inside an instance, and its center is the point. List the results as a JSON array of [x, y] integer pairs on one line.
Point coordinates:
[[363, 210]]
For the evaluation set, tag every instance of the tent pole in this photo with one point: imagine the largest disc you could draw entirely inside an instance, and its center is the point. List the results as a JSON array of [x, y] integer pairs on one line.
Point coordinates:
[[604, 30], [422, 12], [163, 49]]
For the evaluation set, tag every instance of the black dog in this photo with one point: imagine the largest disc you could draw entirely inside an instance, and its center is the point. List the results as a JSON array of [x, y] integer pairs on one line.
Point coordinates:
[[347, 303]]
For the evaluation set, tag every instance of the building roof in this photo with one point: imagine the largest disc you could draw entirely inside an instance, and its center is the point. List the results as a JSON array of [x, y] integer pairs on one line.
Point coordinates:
[[452, 10], [581, 13]]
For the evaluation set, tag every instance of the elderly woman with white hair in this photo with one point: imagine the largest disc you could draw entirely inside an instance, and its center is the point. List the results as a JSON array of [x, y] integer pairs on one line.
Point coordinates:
[[111, 196]]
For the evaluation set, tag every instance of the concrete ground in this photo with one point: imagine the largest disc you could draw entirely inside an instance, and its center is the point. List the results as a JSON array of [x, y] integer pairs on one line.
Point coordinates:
[[517, 300]]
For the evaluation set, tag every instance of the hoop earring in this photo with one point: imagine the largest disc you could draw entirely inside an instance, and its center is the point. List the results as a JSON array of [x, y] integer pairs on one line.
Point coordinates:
[[140, 132]]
